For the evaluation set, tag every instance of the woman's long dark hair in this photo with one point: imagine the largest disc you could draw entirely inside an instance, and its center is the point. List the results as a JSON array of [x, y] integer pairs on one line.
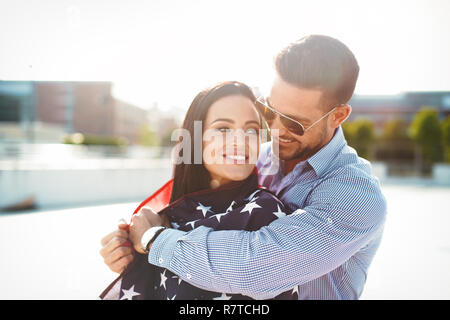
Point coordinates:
[[192, 177]]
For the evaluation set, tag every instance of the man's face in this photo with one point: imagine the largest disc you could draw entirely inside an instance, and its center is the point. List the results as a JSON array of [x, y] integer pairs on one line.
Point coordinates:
[[304, 106]]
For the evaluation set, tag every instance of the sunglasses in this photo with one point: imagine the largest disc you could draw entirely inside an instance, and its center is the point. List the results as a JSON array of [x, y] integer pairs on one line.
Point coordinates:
[[290, 124]]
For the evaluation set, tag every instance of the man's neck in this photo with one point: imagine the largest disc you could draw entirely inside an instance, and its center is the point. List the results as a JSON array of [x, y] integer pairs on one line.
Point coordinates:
[[289, 165]]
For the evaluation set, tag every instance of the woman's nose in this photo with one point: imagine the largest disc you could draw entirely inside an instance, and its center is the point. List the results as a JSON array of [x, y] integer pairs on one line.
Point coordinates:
[[237, 137]]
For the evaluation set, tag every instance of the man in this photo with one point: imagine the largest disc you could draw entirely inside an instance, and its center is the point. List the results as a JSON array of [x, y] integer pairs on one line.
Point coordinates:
[[324, 248]]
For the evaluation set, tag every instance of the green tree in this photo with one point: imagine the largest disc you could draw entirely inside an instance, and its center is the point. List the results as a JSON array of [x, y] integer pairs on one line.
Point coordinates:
[[360, 134], [395, 129], [445, 128], [394, 143], [147, 137], [425, 130]]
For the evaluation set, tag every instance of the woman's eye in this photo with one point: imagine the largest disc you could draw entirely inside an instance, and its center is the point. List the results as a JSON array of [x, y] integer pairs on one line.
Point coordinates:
[[223, 129], [251, 131]]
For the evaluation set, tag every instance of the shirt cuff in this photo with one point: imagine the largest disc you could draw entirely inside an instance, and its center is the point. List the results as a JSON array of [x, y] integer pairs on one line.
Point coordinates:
[[162, 249]]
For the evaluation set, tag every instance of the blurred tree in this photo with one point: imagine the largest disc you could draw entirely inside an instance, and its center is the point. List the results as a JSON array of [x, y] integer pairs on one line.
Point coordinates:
[[104, 141], [166, 140], [425, 130], [395, 129], [394, 143], [360, 135], [78, 138], [147, 137], [445, 128]]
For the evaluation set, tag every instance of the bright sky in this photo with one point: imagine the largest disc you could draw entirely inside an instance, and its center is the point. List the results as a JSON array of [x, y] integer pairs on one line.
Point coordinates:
[[166, 51]]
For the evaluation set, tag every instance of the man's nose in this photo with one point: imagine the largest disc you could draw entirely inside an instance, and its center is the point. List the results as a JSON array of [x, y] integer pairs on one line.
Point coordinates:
[[277, 126]]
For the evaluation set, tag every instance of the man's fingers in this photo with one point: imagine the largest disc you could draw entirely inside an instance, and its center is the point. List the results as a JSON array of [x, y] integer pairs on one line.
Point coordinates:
[[119, 265], [116, 233]]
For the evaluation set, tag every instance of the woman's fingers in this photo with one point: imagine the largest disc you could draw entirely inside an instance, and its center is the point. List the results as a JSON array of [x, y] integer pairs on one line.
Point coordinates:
[[119, 265], [113, 244], [117, 254], [116, 233], [117, 251]]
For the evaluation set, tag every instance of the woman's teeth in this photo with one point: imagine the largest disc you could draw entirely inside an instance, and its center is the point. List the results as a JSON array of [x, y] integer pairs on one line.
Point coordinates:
[[239, 158]]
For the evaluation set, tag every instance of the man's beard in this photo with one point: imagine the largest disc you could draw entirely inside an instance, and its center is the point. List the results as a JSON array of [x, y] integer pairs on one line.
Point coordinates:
[[304, 152]]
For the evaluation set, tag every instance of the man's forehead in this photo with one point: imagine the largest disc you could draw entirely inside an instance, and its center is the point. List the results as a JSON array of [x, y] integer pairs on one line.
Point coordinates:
[[295, 101]]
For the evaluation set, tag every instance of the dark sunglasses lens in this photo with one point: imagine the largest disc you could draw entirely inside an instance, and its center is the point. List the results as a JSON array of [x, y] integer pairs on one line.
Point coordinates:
[[292, 126], [265, 112]]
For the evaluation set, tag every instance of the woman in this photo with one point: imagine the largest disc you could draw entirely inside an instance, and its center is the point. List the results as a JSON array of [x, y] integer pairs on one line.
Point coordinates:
[[222, 192]]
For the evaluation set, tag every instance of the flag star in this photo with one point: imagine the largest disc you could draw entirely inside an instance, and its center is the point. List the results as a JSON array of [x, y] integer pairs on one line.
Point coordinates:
[[129, 294], [250, 198], [279, 213], [295, 290], [192, 223], [222, 297], [173, 298], [250, 206], [231, 206], [163, 280], [203, 208], [219, 215], [179, 279]]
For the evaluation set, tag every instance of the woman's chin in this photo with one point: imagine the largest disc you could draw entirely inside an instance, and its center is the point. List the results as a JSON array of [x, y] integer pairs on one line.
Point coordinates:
[[238, 172]]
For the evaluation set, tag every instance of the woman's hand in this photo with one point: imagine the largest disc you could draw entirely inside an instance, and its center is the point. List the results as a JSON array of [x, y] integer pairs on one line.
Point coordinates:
[[141, 222], [116, 250]]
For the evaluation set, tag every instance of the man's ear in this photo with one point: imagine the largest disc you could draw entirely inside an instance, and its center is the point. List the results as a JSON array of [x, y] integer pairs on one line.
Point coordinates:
[[341, 114]]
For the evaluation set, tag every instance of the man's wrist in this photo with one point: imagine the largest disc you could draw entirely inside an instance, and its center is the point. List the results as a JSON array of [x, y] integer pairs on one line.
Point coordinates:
[[148, 237], [157, 233], [162, 249]]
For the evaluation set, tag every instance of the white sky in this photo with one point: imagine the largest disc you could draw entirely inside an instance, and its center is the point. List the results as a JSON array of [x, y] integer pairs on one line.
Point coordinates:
[[167, 51]]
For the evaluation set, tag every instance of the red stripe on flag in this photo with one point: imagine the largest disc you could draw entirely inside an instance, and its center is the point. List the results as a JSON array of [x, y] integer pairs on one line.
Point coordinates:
[[158, 200]]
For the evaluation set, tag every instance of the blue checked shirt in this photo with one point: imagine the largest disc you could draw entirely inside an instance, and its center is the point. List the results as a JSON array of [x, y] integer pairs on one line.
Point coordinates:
[[323, 249]]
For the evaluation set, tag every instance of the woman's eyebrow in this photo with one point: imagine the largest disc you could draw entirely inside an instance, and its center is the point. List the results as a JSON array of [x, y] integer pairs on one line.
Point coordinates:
[[252, 121], [223, 119], [232, 121]]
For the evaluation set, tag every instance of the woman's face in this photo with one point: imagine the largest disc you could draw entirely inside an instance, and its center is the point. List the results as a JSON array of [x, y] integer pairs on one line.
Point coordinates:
[[231, 139]]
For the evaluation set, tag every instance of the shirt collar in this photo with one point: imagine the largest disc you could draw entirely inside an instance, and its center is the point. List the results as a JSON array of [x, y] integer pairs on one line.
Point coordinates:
[[319, 162], [321, 159]]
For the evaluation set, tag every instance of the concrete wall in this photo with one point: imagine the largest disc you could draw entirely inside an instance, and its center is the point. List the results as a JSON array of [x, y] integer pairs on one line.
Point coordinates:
[[70, 187], [441, 173]]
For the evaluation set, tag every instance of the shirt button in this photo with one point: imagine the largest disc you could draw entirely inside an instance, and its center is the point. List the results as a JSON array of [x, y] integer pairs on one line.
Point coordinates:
[[330, 220], [188, 275], [160, 260]]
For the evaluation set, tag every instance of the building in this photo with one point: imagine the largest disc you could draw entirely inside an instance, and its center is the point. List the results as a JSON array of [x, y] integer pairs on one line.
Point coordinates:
[[382, 108], [44, 111]]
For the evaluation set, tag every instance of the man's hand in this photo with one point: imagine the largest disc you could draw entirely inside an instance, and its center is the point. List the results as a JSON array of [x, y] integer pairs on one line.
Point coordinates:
[[141, 222], [116, 249]]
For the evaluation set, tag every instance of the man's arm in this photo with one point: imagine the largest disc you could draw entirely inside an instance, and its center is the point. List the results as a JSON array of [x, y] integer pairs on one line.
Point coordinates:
[[291, 251]]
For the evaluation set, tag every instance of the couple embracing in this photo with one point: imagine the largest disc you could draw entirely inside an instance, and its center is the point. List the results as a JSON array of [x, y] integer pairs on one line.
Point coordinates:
[[298, 217]]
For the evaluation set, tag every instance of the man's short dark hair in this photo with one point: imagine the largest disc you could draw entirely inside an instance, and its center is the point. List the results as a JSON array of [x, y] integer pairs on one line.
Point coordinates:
[[320, 62]]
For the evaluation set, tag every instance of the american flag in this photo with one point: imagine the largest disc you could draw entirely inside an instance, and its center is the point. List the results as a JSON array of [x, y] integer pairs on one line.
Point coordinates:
[[239, 205]]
